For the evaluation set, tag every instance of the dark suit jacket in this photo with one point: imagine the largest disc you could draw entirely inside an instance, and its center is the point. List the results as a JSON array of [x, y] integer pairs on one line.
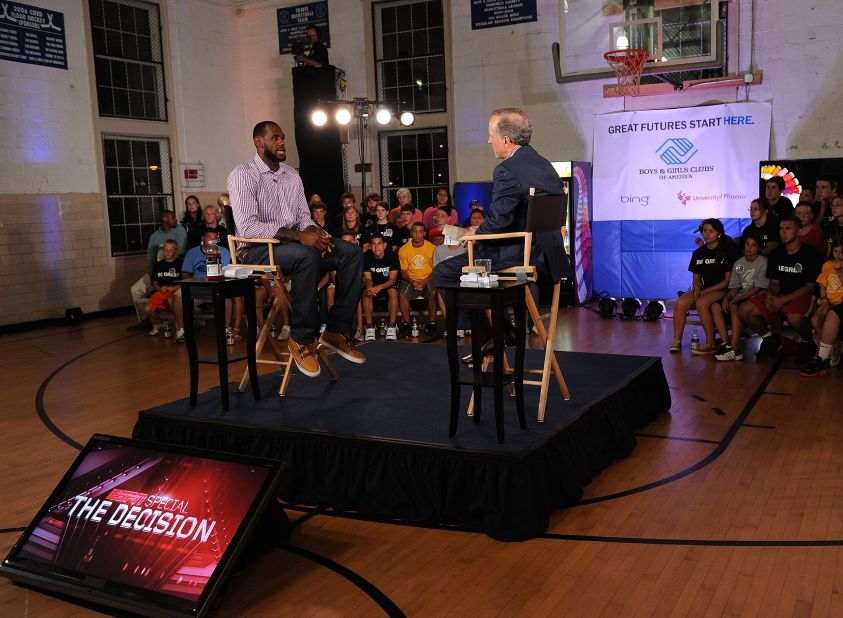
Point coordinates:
[[513, 178]]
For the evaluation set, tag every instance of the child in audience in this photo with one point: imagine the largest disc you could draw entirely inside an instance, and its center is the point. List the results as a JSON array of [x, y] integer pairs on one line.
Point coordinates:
[[810, 233], [711, 265], [436, 233], [351, 222], [765, 224], [829, 313], [165, 279], [748, 278]]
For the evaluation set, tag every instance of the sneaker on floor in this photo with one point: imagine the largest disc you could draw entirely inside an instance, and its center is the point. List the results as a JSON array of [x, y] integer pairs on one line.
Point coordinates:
[[304, 356], [359, 334], [460, 333], [155, 330], [432, 330], [816, 368], [770, 346], [728, 354], [370, 334], [835, 353], [703, 350], [342, 345], [392, 333], [180, 335], [676, 345], [805, 352], [284, 333]]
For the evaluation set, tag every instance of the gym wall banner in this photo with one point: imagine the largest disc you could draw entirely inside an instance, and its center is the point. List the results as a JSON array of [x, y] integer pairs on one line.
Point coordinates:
[[689, 163], [657, 175]]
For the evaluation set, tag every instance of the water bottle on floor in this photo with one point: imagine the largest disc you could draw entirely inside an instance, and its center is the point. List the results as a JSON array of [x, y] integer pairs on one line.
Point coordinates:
[[695, 341]]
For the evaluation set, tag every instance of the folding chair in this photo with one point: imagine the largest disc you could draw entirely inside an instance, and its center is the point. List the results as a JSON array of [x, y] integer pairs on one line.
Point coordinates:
[[272, 273], [544, 214]]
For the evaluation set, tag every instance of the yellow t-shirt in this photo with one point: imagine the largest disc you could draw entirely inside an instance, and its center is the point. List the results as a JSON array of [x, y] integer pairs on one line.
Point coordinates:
[[832, 281], [417, 261]]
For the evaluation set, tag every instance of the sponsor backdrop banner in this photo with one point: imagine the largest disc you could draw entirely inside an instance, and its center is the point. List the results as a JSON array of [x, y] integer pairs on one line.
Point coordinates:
[[689, 163], [657, 174]]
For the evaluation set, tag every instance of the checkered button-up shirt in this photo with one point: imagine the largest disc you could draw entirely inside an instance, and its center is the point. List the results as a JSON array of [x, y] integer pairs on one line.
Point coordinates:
[[263, 201]]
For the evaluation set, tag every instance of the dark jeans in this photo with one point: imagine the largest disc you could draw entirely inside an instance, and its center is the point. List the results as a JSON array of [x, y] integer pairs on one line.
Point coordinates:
[[305, 267]]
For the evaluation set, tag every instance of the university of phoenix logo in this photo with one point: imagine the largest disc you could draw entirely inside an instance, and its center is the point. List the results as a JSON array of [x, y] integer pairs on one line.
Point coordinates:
[[677, 151]]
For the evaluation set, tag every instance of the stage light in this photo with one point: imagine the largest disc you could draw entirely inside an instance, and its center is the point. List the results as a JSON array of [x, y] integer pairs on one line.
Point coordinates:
[[407, 118], [319, 117], [383, 116], [653, 311], [342, 115], [630, 307], [607, 307]]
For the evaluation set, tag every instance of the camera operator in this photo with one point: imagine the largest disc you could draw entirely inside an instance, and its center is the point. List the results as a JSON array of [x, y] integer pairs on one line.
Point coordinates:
[[318, 55]]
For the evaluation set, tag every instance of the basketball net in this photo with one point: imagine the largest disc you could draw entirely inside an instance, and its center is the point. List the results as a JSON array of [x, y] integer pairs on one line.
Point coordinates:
[[628, 64]]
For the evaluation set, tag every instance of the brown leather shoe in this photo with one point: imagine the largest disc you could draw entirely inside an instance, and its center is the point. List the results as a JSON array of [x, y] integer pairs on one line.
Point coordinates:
[[342, 345], [304, 356]]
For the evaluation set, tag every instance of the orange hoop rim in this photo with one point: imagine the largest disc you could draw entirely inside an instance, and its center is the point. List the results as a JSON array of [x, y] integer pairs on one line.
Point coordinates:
[[629, 57]]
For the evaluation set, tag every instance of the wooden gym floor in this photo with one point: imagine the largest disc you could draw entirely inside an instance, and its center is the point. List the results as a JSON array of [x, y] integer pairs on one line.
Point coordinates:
[[730, 505]]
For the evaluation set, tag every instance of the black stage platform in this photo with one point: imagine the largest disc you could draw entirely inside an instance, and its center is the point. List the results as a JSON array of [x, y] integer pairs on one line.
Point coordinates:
[[377, 441]]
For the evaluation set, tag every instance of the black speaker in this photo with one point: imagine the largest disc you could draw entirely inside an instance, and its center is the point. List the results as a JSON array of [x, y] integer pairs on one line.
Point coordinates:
[[319, 148]]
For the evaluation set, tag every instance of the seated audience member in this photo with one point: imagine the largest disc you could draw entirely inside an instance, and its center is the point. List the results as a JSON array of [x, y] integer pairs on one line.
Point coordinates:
[[749, 277], [351, 223], [809, 195], [408, 215], [165, 280], [346, 200], [210, 221], [404, 197], [829, 313], [169, 230], [445, 251], [436, 233], [380, 274], [195, 266], [764, 224], [834, 226], [443, 200], [792, 270], [810, 233], [319, 214], [472, 206], [826, 189], [416, 260], [779, 205], [369, 215], [192, 217], [381, 225], [711, 265]]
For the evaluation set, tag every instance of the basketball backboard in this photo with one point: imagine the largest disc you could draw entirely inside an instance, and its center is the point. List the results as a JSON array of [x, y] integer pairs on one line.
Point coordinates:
[[679, 35]]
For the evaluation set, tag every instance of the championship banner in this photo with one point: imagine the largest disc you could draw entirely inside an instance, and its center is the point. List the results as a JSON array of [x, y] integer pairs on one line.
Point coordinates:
[[690, 163]]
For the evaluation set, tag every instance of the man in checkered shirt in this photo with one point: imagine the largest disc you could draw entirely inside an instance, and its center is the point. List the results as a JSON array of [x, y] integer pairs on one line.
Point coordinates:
[[267, 201]]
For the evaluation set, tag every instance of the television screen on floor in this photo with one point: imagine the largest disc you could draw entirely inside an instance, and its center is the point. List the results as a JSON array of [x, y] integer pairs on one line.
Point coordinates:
[[145, 527]]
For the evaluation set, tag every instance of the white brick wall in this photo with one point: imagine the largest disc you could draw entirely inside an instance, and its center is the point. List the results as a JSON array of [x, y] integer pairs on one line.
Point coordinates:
[[46, 127]]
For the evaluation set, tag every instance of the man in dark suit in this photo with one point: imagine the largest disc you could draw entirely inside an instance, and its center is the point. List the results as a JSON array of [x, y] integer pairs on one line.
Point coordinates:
[[522, 168]]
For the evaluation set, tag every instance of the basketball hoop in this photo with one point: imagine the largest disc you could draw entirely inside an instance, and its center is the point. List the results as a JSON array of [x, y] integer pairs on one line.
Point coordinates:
[[628, 64]]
